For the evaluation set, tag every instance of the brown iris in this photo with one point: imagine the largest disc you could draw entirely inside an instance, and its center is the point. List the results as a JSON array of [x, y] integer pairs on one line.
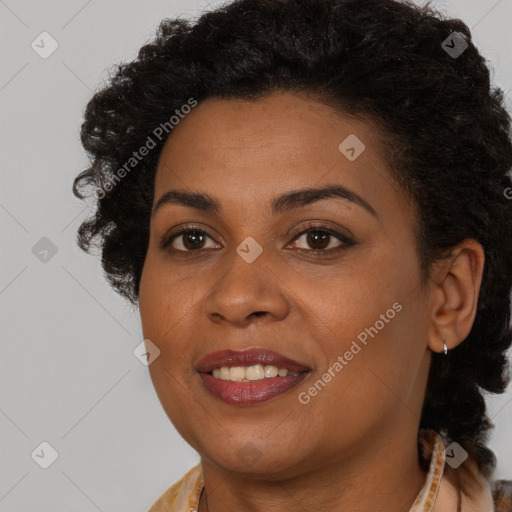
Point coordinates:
[[318, 237]]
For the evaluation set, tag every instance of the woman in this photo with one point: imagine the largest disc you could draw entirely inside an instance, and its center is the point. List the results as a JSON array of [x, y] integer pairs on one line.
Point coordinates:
[[320, 251]]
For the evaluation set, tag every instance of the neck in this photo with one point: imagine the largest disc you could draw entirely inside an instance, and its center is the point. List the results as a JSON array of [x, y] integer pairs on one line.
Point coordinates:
[[385, 477]]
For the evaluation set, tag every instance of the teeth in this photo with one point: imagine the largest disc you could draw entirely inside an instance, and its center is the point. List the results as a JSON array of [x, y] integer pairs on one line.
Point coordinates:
[[271, 371], [255, 372], [223, 373], [249, 373], [237, 373]]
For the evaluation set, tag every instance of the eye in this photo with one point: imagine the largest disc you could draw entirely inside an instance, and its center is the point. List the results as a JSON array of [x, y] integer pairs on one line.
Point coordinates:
[[320, 238], [186, 240]]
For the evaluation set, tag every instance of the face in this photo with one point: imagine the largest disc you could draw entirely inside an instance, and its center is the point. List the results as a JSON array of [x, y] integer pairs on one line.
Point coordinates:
[[329, 281]]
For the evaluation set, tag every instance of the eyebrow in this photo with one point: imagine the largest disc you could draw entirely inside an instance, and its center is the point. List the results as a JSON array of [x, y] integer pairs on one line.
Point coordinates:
[[281, 204]]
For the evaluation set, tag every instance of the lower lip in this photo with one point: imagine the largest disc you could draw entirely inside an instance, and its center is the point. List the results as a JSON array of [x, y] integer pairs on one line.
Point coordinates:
[[253, 392]]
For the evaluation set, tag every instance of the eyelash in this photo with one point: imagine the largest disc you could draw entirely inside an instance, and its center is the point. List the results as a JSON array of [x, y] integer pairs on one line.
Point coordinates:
[[346, 242]]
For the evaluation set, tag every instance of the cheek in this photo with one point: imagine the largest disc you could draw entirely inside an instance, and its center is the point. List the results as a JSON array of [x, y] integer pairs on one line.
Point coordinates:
[[364, 384], [371, 330], [164, 308], [164, 300], [343, 306]]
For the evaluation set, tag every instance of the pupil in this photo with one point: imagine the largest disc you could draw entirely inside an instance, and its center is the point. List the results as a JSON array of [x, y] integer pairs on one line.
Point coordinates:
[[315, 237], [195, 236]]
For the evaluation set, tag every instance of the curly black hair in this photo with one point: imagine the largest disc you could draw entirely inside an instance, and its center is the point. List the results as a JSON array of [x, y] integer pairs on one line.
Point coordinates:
[[446, 130]]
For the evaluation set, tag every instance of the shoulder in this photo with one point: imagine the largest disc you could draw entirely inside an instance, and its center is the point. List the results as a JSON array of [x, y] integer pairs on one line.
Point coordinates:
[[502, 495], [183, 495]]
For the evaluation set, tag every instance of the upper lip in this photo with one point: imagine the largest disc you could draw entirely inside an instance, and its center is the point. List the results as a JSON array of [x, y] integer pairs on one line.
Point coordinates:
[[248, 357]]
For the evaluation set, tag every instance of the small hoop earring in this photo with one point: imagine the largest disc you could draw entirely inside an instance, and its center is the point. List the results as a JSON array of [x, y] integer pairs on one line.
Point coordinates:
[[445, 348]]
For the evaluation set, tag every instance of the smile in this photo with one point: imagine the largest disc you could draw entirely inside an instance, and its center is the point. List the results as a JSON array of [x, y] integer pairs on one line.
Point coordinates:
[[249, 377], [250, 373]]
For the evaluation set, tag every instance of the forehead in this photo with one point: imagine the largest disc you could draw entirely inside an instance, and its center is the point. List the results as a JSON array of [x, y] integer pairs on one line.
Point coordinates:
[[281, 142]]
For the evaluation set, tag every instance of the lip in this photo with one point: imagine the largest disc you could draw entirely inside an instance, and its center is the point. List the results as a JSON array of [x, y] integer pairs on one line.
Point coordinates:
[[248, 357], [253, 392], [250, 393]]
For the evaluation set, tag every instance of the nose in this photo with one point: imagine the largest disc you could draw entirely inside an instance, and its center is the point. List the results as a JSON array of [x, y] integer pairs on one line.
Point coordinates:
[[247, 292]]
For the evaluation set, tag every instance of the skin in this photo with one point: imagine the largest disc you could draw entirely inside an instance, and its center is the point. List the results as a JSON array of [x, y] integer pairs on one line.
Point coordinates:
[[310, 308]]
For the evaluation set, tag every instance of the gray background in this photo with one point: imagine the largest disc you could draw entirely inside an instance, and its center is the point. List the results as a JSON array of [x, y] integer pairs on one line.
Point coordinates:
[[67, 372]]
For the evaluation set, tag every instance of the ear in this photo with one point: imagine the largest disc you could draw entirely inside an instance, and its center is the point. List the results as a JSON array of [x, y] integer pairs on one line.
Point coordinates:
[[456, 284]]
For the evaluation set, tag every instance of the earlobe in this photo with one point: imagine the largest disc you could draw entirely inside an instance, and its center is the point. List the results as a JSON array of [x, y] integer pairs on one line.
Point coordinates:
[[455, 291]]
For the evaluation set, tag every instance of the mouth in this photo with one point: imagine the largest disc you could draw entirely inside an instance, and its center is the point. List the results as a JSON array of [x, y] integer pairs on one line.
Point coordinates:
[[249, 377]]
